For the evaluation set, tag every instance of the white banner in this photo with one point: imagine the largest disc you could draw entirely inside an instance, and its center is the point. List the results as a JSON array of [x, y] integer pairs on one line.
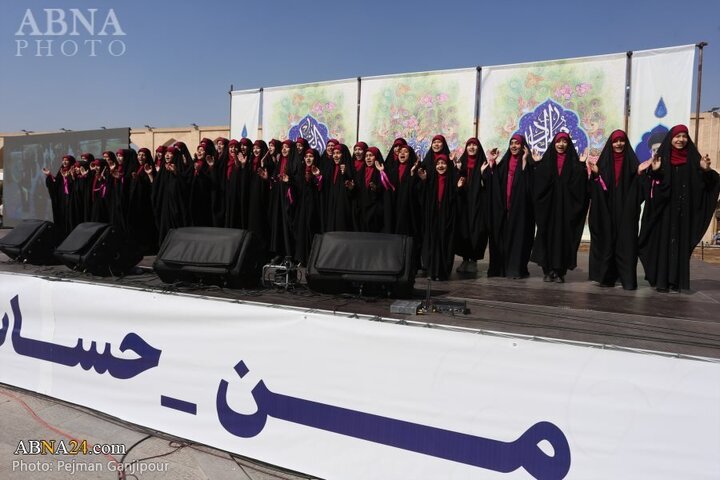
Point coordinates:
[[245, 114], [584, 97], [418, 106], [347, 398], [660, 95], [316, 112]]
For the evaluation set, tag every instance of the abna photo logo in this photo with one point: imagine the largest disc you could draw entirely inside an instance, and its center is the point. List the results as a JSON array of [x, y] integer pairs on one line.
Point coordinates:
[[71, 32]]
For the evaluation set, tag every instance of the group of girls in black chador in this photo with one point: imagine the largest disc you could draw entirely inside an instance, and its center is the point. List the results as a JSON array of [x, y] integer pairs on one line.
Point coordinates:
[[520, 206]]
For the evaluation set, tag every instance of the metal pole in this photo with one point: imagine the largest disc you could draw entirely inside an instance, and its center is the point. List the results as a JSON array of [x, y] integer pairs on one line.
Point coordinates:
[[628, 84], [230, 115], [700, 45], [478, 80], [357, 127]]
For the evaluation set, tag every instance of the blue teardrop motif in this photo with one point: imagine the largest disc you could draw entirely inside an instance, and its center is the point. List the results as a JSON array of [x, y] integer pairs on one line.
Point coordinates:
[[244, 131], [661, 109]]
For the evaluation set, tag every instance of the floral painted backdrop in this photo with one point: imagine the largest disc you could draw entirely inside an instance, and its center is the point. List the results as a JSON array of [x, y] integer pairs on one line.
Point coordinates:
[[317, 112], [581, 96], [417, 107]]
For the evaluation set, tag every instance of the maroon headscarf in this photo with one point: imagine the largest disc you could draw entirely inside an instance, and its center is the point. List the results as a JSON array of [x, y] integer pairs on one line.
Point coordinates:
[[561, 156], [618, 157], [512, 167], [442, 179], [678, 157]]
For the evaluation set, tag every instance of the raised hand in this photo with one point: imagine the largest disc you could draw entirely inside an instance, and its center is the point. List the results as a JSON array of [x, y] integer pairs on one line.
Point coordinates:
[[536, 156], [315, 170], [656, 163], [584, 155], [422, 174], [461, 182], [493, 155], [46, 171], [379, 166], [263, 173], [705, 162]]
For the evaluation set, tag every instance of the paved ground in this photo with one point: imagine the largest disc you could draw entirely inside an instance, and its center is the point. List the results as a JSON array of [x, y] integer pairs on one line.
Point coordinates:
[[25, 417]]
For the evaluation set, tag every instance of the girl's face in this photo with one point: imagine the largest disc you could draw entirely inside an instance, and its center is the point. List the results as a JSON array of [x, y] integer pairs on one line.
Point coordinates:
[[330, 148], [257, 150], [403, 155], [120, 159], [141, 157], [436, 145], [168, 157], [472, 149], [233, 149], [561, 145], [358, 152], [271, 148], [441, 167], [220, 146], [309, 158], [285, 151], [515, 147], [201, 152], [337, 155], [243, 149], [619, 145], [369, 159], [680, 140], [65, 162]]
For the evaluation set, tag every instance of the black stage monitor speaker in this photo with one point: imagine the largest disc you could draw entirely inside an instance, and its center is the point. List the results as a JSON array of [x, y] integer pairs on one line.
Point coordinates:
[[362, 262], [99, 249], [32, 241], [220, 256]]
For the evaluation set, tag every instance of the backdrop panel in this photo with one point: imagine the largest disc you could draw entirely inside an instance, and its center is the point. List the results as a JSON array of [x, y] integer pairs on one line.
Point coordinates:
[[660, 95], [25, 194], [350, 398], [417, 107], [315, 111], [582, 96], [245, 114]]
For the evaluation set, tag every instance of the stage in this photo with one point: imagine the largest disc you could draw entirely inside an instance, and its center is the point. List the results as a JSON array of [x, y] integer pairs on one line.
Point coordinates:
[[578, 310]]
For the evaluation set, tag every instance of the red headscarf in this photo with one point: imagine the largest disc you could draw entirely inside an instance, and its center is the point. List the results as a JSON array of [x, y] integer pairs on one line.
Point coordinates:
[[512, 168], [678, 157], [359, 163], [471, 159], [618, 157], [561, 156], [442, 178]]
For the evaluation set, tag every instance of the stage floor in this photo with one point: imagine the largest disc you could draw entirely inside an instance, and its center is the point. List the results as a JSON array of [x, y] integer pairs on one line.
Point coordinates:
[[578, 310]]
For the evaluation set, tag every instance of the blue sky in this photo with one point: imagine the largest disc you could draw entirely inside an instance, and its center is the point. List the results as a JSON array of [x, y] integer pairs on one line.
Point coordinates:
[[181, 57]]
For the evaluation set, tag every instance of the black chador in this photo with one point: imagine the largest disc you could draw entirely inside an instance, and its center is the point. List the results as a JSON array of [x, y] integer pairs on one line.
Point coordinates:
[[81, 190], [681, 196], [200, 190], [337, 191], [369, 189], [561, 202], [511, 211], [140, 218], [169, 195], [283, 203], [60, 188], [616, 195], [234, 175], [439, 190], [261, 167], [99, 194], [472, 217], [308, 210]]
